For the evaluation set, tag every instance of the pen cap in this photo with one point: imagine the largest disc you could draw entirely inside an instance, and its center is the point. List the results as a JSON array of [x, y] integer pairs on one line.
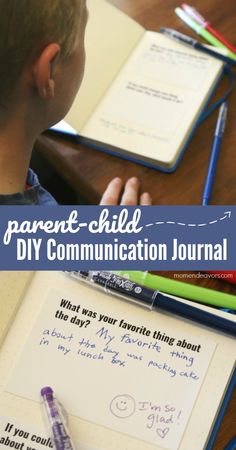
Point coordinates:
[[49, 401], [125, 289], [56, 420], [53, 407], [49, 407], [178, 36], [192, 12], [49, 414]]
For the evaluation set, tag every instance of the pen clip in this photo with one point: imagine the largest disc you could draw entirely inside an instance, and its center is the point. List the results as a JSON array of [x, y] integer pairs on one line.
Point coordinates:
[[179, 36], [221, 122]]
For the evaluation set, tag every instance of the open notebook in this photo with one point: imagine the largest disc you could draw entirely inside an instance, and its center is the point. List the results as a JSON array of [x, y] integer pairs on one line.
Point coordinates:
[[142, 93], [129, 378]]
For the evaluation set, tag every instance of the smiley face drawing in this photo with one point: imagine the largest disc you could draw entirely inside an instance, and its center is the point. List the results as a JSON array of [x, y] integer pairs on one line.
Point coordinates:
[[122, 406]]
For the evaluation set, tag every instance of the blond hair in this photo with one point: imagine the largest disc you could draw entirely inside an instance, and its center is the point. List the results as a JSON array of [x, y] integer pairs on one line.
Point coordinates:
[[27, 26]]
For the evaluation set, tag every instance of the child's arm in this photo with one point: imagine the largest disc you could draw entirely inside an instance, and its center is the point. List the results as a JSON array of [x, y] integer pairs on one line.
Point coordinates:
[[130, 195]]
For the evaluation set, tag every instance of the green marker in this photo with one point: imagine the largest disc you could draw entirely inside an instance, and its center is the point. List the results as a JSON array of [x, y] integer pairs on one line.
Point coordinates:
[[199, 29], [180, 289]]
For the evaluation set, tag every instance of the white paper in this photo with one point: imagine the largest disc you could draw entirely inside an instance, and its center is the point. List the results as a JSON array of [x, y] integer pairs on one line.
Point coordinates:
[[151, 106], [22, 436], [64, 127], [13, 433], [119, 369]]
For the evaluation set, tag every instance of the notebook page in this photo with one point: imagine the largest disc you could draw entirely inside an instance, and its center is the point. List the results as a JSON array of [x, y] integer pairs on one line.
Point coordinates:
[[110, 37], [80, 335], [15, 434], [151, 107], [88, 432]]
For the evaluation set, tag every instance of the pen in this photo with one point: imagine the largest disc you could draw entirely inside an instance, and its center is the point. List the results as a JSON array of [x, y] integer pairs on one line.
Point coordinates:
[[201, 31], [192, 12], [231, 445], [219, 131], [56, 420], [181, 289], [180, 37], [121, 287], [130, 291]]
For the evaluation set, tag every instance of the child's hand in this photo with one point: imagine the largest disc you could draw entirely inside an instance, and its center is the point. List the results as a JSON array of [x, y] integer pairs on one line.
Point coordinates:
[[130, 195]]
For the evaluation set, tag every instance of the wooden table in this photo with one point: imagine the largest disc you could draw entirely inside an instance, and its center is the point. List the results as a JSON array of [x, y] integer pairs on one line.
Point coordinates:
[[88, 171]]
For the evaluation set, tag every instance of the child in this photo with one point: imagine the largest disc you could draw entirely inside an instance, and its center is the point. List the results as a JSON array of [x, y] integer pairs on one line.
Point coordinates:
[[42, 61]]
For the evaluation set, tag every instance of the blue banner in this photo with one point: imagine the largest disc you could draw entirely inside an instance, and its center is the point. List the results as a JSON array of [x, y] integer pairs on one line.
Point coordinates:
[[115, 237]]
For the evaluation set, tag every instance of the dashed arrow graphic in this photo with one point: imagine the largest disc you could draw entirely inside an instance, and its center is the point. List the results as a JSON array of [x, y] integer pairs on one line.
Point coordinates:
[[227, 215]]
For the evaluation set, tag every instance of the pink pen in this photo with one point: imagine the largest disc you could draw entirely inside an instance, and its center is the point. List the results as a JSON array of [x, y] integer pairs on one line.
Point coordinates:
[[192, 12]]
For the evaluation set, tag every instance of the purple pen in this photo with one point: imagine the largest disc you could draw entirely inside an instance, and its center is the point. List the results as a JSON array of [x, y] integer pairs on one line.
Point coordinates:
[[56, 420]]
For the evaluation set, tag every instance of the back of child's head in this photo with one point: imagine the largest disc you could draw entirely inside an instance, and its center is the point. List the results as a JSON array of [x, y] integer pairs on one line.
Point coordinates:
[[28, 26]]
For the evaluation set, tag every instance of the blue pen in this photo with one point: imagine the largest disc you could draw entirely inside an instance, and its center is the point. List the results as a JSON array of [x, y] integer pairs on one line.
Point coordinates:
[[56, 420], [219, 131], [231, 445], [180, 37], [125, 289]]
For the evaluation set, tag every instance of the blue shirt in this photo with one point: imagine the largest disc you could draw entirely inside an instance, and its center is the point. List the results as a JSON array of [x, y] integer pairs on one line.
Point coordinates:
[[34, 195]]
